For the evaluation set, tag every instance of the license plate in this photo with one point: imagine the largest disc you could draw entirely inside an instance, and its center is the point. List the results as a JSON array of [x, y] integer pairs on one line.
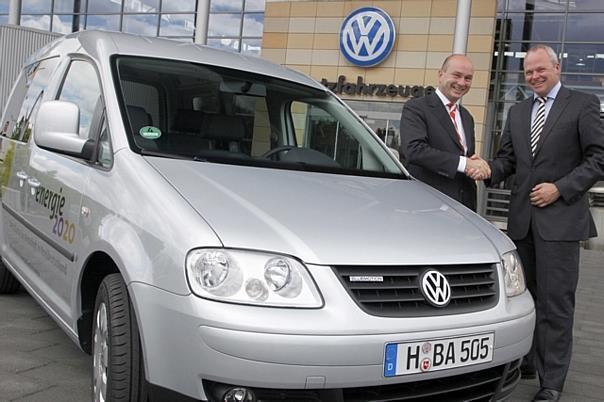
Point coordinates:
[[440, 354]]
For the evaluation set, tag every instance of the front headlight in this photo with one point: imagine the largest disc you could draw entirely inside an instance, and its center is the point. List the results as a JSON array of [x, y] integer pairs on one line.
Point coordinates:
[[249, 277], [513, 274]]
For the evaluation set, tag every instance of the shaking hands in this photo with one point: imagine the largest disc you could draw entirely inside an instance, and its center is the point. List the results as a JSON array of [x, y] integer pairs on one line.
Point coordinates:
[[477, 168]]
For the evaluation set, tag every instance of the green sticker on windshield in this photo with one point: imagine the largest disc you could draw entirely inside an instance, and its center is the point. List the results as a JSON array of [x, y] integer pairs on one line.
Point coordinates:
[[150, 132]]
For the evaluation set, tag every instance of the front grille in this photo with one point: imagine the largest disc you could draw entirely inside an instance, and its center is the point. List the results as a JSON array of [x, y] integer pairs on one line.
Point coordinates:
[[495, 383], [473, 288]]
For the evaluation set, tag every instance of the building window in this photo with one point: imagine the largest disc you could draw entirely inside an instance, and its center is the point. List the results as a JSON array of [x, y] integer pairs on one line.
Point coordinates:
[[4, 11], [182, 25], [384, 118], [236, 25], [103, 22], [571, 28], [174, 19]]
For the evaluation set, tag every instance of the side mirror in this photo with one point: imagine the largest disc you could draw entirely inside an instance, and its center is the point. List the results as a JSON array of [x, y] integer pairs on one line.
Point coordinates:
[[56, 129]]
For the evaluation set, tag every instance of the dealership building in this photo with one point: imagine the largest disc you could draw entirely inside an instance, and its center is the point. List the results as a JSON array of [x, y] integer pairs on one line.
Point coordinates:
[[374, 54]]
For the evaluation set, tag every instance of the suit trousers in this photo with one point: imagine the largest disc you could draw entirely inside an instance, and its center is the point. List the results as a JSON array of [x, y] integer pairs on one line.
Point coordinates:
[[552, 273]]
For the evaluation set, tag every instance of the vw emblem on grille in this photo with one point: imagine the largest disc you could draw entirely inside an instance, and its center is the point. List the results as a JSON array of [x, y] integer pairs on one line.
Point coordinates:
[[367, 36], [435, 288]]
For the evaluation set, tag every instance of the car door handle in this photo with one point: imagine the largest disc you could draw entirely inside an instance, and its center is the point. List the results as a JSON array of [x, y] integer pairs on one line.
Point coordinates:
[[22, 176], [33, 185], [33, 182]]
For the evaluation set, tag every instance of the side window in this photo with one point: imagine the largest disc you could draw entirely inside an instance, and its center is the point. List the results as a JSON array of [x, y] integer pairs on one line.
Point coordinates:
[[23, 106], [81, 86], [317, 129]]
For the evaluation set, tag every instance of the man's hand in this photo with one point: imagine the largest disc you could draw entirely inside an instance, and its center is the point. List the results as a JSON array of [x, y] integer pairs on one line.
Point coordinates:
[[477, 168], [544, 194]]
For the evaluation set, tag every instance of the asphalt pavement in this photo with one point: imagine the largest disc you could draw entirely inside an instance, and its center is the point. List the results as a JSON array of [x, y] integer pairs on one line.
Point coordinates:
[[38, 362]]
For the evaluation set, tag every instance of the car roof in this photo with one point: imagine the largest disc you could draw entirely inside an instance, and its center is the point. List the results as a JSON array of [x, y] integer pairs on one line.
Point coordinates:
[[100, 45]]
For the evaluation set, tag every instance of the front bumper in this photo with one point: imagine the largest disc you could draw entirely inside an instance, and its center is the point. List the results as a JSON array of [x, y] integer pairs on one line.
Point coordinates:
[[187, 340], [491, 384]]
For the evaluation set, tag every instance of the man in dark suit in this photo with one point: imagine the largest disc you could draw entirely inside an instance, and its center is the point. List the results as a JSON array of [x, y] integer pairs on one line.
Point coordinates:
[[554, 143], [437, 134]]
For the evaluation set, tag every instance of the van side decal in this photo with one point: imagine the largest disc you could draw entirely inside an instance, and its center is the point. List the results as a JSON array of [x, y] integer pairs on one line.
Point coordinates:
[[61, 250]]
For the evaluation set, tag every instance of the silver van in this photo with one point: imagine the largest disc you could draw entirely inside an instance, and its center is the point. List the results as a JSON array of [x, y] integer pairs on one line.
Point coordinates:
[[211, 226]]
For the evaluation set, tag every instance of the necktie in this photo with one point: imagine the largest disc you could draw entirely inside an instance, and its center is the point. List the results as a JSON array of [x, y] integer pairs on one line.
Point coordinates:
[[538, 123], [452, 110]]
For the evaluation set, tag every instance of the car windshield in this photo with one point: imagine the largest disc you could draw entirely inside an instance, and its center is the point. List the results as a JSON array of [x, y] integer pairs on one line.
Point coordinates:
[[185, 110]]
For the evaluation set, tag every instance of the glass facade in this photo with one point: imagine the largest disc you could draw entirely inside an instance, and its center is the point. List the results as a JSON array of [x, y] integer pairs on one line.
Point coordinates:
[[4, 11], [384, 118], [571, 27], [167, 18], [235, 25]]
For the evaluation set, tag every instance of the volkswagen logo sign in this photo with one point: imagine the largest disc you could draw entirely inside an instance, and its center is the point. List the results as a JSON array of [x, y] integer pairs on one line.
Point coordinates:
[[367, 36], [435, 288]]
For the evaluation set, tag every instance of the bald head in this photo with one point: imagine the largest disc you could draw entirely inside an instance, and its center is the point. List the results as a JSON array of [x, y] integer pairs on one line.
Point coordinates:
[[453, 57]]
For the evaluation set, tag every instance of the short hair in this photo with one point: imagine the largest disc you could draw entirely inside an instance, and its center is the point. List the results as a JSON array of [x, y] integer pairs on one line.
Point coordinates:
[[448, 59], [553, 57]]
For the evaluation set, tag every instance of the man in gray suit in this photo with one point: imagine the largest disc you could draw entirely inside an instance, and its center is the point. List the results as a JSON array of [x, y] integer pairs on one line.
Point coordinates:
[[437, 134], [554, 143]]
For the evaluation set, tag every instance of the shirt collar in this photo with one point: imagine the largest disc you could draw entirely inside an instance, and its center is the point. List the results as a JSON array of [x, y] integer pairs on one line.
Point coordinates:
[[444, 99], [552, 93]]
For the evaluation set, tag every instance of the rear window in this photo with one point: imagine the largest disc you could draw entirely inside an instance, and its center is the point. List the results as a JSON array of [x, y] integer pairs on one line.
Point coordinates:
[[27, 95]]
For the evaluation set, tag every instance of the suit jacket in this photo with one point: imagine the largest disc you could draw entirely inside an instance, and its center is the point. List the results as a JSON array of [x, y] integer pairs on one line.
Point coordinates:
[[570, 154], [431, 149]]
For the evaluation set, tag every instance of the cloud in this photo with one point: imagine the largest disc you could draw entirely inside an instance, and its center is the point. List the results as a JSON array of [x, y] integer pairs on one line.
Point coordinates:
[[36, 21], [177, 24], [224, 25], [140, 24], [178, 5], [253, 24]]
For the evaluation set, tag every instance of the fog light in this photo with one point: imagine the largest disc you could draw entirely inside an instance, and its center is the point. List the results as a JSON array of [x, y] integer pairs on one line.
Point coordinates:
[[256, 289], [239, 395]]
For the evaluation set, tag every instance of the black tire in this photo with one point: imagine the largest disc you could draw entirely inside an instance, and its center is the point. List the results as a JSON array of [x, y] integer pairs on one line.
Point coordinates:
[[8, 283], [121, 365]]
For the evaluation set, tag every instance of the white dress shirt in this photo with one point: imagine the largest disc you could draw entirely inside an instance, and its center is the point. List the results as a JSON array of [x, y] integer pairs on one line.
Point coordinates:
[[461, 166]]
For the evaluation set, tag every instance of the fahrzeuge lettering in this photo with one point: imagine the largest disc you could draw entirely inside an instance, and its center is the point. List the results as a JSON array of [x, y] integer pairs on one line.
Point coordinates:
[[361, 88]]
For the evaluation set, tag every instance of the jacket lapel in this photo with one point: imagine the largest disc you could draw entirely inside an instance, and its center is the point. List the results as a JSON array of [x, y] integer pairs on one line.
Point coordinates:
[[526, 107], [468, 129], [440, 111], [554, 114]]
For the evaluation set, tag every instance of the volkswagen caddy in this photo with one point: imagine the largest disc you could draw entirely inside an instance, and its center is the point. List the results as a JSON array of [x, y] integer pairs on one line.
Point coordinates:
[[215, 227]]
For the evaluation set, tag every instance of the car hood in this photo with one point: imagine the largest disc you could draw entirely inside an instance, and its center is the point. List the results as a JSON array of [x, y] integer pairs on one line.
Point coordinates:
[[329, 218]]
